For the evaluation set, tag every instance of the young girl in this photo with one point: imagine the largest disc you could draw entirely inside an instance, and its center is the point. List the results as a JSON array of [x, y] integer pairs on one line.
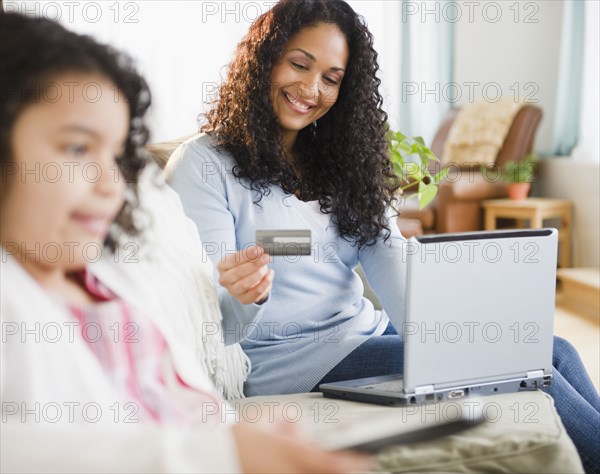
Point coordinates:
[[296, 140], [89, 380]]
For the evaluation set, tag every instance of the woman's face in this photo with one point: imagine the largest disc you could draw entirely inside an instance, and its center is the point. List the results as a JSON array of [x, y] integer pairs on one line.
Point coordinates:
[[64, 189], [306, 82]]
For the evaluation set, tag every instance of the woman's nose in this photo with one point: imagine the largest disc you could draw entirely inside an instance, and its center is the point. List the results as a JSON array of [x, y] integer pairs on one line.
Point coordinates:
[[310, 89]]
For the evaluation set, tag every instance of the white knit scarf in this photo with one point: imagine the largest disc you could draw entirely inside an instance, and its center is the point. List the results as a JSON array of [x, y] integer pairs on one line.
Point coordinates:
[[168, 266]]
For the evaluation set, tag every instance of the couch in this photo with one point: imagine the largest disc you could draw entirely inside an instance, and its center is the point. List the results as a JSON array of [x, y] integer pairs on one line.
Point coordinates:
[[523, 434]]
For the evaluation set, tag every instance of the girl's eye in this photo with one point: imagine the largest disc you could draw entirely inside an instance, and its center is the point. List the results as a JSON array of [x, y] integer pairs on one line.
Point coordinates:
[[299, 66], [330, 80], [76, 149]]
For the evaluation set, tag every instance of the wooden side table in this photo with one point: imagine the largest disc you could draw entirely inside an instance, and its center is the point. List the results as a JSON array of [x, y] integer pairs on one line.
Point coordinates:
[[535, 210]]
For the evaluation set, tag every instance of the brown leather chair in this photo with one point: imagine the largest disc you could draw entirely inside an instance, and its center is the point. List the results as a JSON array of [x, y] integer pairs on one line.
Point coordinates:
[[457, 206]]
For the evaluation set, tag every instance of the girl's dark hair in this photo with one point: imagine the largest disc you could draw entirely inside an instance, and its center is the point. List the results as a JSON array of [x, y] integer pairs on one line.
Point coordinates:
[[344, 164], [33, 51]]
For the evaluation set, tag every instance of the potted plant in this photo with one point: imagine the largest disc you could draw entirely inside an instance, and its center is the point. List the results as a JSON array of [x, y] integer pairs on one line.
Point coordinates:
[[517, 175], [411, 159]]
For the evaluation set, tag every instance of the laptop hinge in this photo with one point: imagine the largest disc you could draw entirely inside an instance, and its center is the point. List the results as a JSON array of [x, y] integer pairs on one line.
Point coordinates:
[[535, 374], [423, 389]]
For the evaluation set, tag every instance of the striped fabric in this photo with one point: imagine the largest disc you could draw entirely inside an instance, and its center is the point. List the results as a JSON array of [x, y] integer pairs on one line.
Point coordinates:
[[135, 355]]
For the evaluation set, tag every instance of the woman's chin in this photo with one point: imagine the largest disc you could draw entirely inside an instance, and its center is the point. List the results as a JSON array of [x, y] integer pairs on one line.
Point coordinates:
[[293, 125]]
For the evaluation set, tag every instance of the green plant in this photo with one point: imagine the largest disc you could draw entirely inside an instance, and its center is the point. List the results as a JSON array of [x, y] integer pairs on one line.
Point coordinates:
[[513, 171], [414, 174]]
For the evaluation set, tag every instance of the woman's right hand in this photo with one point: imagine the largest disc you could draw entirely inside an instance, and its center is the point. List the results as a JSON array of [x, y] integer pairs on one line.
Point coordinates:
[[266, 449], [246, 275]]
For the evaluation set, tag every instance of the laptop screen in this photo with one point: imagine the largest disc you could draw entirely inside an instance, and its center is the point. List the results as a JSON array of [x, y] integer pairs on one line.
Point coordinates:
[[479, 306]]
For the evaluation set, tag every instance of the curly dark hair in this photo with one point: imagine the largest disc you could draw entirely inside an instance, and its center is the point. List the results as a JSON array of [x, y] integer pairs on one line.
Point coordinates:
[[344, 160], [33, 51]]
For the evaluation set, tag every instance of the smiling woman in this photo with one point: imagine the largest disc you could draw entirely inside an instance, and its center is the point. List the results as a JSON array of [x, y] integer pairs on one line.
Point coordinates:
[[296, 140], [301, 99]]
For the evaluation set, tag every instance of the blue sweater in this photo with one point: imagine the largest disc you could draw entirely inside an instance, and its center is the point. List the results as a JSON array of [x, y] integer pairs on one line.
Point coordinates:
[[316, 313]]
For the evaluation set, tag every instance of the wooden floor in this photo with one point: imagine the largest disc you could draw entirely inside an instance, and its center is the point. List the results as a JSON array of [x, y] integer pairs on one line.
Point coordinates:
[[584, 335]]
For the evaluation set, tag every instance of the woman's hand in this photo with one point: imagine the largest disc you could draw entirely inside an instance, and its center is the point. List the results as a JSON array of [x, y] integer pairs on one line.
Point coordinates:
[[246, 275], [267, 450]]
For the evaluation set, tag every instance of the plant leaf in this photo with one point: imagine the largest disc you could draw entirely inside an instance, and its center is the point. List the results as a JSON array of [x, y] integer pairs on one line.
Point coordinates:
[[426, 194], [439, 177]]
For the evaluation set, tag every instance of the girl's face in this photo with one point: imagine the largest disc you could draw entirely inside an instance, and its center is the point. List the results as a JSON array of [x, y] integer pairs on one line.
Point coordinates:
[[64, 189], [306, 82]]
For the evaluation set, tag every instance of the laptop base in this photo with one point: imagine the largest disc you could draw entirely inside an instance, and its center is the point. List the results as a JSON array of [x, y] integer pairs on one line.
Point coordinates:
[[373, 390]]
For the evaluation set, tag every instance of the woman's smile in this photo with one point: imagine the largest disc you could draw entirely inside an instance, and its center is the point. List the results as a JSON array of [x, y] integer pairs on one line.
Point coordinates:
[[298, 105]]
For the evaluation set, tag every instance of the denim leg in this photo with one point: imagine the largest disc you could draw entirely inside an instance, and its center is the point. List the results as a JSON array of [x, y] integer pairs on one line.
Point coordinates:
[[581, 420], [567, 361], [577, 403], [379, 355]]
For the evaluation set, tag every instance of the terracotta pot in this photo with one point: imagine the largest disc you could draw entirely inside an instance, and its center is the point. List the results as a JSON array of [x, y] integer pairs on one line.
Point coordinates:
[[518, 191]]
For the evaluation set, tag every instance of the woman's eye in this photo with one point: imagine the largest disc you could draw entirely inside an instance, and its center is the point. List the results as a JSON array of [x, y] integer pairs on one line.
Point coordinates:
[[330, 80], [299, 66]]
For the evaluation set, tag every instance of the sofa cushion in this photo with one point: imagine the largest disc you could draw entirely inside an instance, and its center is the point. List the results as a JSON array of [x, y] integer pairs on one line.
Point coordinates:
[[523, 433], [161, 152]]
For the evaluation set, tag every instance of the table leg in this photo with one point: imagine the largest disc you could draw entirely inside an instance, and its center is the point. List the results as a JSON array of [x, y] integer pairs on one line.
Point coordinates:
[[565, 246], [536, 220], [490, 219]]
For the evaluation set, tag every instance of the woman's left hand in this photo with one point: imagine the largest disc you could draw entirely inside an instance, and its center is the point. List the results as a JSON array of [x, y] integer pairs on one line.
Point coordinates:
[[246, 275]]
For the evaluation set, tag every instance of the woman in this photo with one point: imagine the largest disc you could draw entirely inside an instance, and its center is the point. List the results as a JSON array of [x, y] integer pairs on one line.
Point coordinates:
[[296, 141], [91, 381]]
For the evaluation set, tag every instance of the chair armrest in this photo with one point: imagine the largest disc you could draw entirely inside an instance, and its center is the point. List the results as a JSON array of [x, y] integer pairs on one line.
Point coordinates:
[[469, 185]]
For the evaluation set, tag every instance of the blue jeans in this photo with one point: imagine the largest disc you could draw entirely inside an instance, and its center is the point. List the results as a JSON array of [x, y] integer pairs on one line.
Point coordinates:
[[575, 397]]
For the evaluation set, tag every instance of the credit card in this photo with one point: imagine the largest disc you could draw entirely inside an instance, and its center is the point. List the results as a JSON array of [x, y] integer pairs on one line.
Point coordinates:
[[285, 242]]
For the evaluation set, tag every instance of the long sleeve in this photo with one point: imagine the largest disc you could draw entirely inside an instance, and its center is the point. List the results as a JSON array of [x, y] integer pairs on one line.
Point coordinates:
[[62, 412], [198, 176], [315, 315], [384, 264], [33, 447]]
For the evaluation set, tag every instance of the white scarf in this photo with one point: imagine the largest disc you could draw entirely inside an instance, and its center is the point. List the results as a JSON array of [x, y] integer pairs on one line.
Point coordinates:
[[167, 272]]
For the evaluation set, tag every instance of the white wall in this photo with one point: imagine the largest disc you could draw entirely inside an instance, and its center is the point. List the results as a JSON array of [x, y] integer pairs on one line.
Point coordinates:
[[588, 148], [565, 178], [519, 51], [383, 19]]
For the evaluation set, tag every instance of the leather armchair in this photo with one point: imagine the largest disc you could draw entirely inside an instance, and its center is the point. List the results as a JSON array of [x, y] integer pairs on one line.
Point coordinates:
[[457, 206]]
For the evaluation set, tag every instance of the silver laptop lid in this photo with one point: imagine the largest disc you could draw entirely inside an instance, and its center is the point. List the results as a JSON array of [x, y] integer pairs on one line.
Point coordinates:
[[479, 306]]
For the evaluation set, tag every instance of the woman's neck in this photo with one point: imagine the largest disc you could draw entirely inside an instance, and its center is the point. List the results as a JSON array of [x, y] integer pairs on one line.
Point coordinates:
[[288, 139]]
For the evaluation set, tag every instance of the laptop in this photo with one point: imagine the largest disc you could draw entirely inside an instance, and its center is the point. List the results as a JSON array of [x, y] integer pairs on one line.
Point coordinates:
[[478, 320]]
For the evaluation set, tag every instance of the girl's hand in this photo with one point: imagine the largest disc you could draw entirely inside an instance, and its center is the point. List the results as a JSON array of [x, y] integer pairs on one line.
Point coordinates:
[[246, 275], [265, 450]]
